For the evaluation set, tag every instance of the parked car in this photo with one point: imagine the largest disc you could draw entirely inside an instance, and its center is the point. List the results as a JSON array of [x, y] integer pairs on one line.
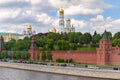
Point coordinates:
[[56, 64], [116, 68], [50, 64], [5, 60], [19, 61], [63, 64], [42, 63]]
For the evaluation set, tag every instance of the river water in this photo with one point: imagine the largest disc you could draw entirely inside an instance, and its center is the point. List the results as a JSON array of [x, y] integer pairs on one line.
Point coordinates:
[[16, 74]]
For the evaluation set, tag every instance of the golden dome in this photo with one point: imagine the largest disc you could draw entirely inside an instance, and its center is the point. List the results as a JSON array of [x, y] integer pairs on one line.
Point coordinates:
[[61, 11], [29, 27], [68, 19], [54, 30]]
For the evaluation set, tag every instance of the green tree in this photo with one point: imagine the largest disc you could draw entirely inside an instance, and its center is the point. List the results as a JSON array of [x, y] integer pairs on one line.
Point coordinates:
[[38, 56], [43, 55], [40, 41], [96, 38], [5, 54], [117, 35], [116, 42], [10, 44], [56, 47], [63, 45], [49, 44], [74, 37], [54, 36], [1, 56], [21, 44], [26, 56], [49, 55], [16, 55], [86, 38]]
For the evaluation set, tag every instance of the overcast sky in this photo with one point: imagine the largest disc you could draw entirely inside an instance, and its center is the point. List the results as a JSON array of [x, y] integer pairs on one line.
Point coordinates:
[[86, 15]]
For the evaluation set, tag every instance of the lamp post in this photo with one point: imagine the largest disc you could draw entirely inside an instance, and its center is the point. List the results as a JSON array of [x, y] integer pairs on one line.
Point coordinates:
[[110, 52], [119, 55], [68, 52]]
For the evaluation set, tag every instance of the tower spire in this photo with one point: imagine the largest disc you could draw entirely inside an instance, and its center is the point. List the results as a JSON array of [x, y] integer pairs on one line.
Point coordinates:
[[105, 36]]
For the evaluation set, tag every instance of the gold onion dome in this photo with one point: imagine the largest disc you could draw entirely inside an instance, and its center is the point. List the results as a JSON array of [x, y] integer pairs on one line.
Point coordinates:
[[61, 11], [29, 27], [54, 30], [68, 19]]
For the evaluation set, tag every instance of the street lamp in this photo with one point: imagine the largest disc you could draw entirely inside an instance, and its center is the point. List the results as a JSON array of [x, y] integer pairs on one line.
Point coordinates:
[[109, 52], [118, 54], [68, 52]]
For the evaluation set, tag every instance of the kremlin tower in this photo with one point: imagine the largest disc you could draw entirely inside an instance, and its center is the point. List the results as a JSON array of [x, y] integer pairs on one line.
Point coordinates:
[[33, 49], [2, 47], [105, 47]]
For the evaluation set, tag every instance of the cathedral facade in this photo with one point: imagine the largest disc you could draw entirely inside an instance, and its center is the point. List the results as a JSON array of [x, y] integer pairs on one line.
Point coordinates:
[[65, 27]]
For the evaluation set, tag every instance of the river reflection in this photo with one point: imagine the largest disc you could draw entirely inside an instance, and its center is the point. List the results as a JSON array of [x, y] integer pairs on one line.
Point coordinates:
[[15, 74]]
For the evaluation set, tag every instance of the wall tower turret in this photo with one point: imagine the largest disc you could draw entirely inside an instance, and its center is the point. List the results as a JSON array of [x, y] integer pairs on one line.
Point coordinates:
[[2, 46], [105, 47], [33, 49]]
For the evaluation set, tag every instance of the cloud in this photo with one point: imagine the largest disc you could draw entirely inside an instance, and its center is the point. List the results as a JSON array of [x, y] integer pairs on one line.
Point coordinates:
[[99, 23], [44, 18], [79, 24], [41, 14], [81, 7], [81, 10], [98, 18], [14, 4]]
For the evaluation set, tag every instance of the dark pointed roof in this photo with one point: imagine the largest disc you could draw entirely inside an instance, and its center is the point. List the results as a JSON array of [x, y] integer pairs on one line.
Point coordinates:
[[1, 37], [105, 36]]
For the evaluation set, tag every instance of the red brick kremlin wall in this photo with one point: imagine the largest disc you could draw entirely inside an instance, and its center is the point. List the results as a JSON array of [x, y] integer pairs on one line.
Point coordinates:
[[112, 56], [77, 56]]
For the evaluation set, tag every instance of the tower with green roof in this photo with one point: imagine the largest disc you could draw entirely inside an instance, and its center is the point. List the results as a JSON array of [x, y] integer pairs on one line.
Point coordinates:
[[103, 52], [2, 46], [105, 36]]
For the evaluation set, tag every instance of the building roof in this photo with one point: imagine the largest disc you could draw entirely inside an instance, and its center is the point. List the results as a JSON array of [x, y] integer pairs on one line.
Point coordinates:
[[105, 36]]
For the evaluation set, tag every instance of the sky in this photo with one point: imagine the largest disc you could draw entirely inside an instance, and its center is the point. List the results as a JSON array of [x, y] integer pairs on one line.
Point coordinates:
[[86, 15]]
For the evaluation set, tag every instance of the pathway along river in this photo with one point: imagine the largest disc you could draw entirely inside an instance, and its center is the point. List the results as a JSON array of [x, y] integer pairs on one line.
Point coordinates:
[[16, 74]]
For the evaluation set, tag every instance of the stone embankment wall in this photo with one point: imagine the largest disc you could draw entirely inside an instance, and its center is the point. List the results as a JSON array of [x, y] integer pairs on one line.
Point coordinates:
[[99, 73]]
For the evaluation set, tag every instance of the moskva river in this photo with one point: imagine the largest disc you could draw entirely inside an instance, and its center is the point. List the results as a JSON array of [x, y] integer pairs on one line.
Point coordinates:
[[16, 74]]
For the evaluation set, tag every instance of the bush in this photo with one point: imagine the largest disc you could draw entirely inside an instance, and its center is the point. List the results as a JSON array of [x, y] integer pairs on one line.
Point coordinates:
[[60, 60]]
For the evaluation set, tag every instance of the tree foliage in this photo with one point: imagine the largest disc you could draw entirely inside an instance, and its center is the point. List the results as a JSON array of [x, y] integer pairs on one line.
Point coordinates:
[[63, 41]]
